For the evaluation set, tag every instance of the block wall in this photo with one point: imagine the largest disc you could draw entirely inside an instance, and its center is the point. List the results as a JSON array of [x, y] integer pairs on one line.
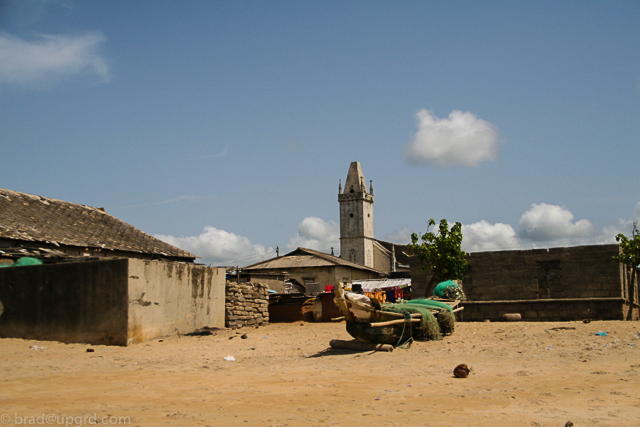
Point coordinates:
[[571, 283], [574, 272]]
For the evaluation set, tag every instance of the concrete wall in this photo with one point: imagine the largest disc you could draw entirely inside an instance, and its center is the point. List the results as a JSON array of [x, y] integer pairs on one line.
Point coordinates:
[[382, 259], [68, 302], [115, 301], [574, 272], [582, 280], [166, 298], [549, 310]]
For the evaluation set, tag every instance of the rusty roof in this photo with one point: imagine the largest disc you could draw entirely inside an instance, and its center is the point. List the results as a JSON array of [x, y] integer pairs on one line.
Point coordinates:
[[303, 257], [32, 218]]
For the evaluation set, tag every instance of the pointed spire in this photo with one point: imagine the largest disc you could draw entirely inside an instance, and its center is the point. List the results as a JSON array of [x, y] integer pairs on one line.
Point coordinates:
[[340, 187], [355, 179]]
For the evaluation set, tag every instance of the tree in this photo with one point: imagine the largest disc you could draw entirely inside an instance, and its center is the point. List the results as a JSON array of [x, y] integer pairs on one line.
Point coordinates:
[[630, 256], [440, 252]]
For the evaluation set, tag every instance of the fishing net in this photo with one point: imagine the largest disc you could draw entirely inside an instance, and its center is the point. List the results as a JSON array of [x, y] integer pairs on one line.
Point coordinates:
[[447, 322], [449, 290], [430, 328]]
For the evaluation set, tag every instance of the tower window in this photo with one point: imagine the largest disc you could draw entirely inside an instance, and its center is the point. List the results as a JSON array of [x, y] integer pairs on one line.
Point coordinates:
[[350, 215]]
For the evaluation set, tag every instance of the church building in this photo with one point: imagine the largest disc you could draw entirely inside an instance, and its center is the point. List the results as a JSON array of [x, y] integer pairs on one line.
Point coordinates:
[[357, 241]]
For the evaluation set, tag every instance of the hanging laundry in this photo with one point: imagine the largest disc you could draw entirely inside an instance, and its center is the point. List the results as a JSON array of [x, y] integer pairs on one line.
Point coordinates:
[[390, 295]]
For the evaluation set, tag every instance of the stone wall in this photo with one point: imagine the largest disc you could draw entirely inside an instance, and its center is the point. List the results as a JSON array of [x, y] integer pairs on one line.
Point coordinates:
[[247, 304]]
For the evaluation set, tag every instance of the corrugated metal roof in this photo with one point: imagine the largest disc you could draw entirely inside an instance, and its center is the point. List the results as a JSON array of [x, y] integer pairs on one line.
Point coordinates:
[[371, 285], [41, 219], [292, 261]]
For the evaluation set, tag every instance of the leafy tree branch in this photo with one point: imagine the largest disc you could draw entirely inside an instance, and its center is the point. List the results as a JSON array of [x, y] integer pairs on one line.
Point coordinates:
[[440, 252]]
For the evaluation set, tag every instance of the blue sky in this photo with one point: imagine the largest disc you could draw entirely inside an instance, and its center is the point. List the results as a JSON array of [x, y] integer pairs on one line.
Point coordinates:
[[224, 127]]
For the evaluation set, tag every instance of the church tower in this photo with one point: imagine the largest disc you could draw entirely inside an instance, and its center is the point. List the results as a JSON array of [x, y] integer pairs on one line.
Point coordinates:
[[356, 218]]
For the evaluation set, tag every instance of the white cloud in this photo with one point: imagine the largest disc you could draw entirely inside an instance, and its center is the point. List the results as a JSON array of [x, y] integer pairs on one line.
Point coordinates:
[[315, 233], [542, 226], [220, 247], [401, 236], [462, 139], [482, 236], [543, 223], [48, 56]]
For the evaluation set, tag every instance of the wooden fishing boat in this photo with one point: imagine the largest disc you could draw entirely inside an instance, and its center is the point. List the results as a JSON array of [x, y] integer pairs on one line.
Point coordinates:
[[370, 321]]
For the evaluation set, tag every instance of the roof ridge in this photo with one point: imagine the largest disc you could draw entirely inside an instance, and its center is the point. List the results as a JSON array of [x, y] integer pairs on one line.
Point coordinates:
[[74, 224]]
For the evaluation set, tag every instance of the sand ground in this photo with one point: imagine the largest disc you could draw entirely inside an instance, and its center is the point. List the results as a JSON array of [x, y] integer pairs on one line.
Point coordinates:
[[523, 374]]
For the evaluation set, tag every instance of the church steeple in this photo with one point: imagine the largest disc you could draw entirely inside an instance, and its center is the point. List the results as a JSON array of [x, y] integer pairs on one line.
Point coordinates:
[[356, 218]]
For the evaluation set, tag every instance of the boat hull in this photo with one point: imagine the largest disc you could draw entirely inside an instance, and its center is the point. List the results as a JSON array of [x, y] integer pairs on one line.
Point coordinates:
[[361, 313], [394, 335]]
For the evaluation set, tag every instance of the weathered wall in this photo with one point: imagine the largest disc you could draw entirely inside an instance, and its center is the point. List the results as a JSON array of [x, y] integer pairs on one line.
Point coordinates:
[[169, 297], [382, 259], [528, 277], [115, 301], [574, 272], [549, 310], [68, 302], [345, 275], [247, 304]]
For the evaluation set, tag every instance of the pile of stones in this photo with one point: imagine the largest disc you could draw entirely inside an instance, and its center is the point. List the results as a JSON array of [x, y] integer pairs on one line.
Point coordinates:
[[246, 304]]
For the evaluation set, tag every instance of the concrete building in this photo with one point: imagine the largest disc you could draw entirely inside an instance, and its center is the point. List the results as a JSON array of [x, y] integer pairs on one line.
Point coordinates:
[[309, 271], [102, 282]]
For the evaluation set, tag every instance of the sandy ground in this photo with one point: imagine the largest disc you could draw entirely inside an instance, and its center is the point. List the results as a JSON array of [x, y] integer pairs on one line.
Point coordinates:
[[523, 374]]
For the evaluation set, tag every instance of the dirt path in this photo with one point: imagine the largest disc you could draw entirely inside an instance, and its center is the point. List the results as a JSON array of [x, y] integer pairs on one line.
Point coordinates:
[[523, 374]]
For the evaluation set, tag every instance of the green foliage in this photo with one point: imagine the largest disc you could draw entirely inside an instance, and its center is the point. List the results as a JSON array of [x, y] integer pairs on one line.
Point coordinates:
[[630, 248], [440, 252]]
